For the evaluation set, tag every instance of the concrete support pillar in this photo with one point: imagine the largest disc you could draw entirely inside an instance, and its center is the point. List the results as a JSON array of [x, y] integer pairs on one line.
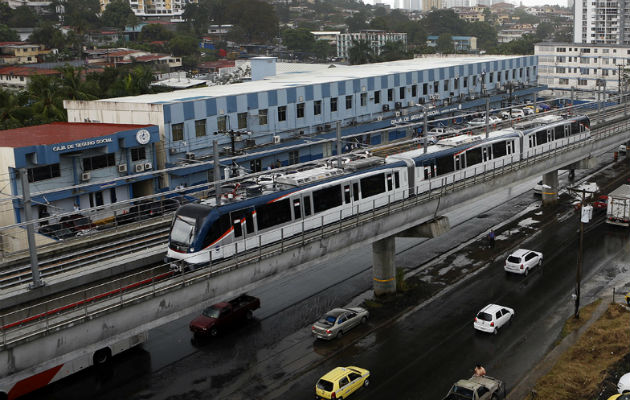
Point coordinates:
[[383, 267], [550, 188]]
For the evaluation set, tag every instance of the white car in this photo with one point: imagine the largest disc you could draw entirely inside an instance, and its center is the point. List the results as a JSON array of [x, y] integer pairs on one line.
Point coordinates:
[[624, 384], [538, 188], [516, 113], [493, 317], [522, 260]]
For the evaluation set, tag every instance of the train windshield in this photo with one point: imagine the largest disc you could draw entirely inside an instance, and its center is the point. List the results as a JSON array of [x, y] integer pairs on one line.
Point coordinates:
[[183, 230]]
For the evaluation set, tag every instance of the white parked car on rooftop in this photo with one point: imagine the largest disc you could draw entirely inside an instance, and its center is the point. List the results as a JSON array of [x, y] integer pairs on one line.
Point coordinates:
[[493, 317], [522, 260]]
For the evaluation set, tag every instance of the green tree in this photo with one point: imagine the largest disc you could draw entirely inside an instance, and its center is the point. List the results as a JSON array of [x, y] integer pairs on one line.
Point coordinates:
[[12, 112], [394, 50], [299, 39], [361, 53], [118, 14], [82, 15], [283, 13], [444, 21], [154, 32], [545, 30], [23, 17], [256, 18], [182, 45], [8, 35], [46, 99], [47, 34], [357, 22], [444, 44], [74, 86], [322, 50], [6, 12], [485, 33], [524, 45], [197, 16], [524, 17]]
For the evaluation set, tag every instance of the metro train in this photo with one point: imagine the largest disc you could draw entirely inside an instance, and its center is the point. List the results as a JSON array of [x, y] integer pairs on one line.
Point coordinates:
[[306, 199]]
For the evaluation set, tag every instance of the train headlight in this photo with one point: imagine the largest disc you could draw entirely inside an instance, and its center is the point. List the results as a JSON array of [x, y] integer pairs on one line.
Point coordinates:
[[191, 250]]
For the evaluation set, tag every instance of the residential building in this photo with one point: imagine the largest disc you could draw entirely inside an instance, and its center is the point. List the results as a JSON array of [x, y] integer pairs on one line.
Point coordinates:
[[18, 77], [514, 33], [471, 14], [298, 107], [120, 56], [460, 43], [456, 3], [329, 36], [428, 5], [563, 66], [21, 53], [605, 22], [375, 38], [156, 9]]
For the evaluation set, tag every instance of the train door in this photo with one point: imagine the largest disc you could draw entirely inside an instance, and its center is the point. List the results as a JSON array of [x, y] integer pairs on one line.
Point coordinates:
[[243, 227], [460, 164], [347, 200], [309, 223], [531, 144]]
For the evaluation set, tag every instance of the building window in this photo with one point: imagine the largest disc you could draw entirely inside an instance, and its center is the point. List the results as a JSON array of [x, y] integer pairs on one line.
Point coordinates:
[[138, 153], [348, 102], [242, 120], [446, 85], [390, 94], [294, 157], [97, 162], [561, 50], [456, 83], [42, 173], [414, 90], [401, 93], [200, 127], [582, 82], [560, 70], [222, 123], [333, 104], [177, 132], [300, 110], [563, 81], [262, 117], [377, 97], [425, 89], [317, 107], [282, 113], [436, 87], [363, 99]]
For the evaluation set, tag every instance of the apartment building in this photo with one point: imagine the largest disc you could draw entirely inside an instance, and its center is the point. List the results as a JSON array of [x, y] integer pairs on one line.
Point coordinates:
[[156, 9], [604, 22], [375, 38], [584, 67]]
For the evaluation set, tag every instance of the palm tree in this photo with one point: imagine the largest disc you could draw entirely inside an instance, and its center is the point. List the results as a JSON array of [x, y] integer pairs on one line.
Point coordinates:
[[361, 52], [73, 84], [46, 99], [10, 110]]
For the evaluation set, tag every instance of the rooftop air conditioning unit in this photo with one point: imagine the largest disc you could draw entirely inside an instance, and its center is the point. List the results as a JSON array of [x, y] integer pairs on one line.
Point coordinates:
[[412, 103], [276, 139], [148, 166], [398, 113], [139, 167], [172, 151], [398, 105], [85, 176], [385, 107], [190, 156], [122, 168]]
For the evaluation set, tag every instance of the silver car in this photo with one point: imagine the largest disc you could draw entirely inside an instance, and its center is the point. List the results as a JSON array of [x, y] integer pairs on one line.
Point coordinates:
[[339, 321]]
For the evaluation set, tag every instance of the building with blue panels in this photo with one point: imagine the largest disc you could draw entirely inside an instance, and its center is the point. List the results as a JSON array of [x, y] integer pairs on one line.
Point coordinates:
[[72, 165], [303, 106]]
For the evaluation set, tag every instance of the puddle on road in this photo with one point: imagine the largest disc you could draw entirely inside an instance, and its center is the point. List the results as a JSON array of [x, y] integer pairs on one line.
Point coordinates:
[[527, 223]]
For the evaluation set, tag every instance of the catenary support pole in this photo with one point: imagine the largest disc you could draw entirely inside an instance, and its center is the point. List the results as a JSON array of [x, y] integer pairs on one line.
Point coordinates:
[[30, 230], [487, 116], [425, 129], [339, 144], [217, 172]]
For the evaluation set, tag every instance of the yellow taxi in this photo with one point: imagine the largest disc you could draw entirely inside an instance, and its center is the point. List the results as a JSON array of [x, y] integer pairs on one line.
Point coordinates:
[[625, 396], [341, 382]]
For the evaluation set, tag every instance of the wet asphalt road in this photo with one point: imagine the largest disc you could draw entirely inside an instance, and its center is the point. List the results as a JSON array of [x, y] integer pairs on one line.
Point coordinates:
[[417, 357]]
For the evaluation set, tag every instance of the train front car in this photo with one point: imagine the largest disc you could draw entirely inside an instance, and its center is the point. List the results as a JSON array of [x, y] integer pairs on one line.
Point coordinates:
[[185, 240]]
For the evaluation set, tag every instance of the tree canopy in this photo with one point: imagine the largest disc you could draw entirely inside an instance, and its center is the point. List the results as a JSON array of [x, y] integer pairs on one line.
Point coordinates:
[[118, 14]]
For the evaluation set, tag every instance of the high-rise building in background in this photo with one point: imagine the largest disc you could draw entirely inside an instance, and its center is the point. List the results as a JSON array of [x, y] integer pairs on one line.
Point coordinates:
[[169, 9], [602, 22], [427, 5], [375, 38], [458, 3]]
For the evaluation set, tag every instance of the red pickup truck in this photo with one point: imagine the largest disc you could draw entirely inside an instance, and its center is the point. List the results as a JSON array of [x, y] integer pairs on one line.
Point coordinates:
[[221, 316]]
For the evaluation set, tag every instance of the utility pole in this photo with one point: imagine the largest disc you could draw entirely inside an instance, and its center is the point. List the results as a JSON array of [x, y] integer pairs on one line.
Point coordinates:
[[487, 116], [30, 230], [217, 172], [339, 144], [425, 129], [585, 217]]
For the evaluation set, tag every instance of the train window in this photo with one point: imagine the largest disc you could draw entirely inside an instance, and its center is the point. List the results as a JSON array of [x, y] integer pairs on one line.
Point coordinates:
[[559, 132], [445, 165], [346, 194], [307, 206], [473, 156], [372, 185], [297, 213], [397, 179], [355, 191], [271, 214], [390, 184], [324, 199], [238, 229], [240, 215], [541, 137], [575, 128], [218, 228], [499, 149]]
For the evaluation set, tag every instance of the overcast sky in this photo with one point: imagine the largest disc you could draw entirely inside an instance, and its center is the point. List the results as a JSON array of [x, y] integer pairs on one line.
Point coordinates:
[[562, 3]]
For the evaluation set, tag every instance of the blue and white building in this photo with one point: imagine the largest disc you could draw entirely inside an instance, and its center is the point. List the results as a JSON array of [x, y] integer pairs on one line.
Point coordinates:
[[304, 106]]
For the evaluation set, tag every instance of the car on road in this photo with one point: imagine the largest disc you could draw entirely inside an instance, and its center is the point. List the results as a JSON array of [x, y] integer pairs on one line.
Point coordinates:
[[341, 382], [335, 323], [493, 317], [477, 388], [481, 121], [523, 260], [516, 113], [226, 315], [623, 386]]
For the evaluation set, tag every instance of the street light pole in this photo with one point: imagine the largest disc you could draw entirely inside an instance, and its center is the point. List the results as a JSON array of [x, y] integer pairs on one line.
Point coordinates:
[[585, 216]]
